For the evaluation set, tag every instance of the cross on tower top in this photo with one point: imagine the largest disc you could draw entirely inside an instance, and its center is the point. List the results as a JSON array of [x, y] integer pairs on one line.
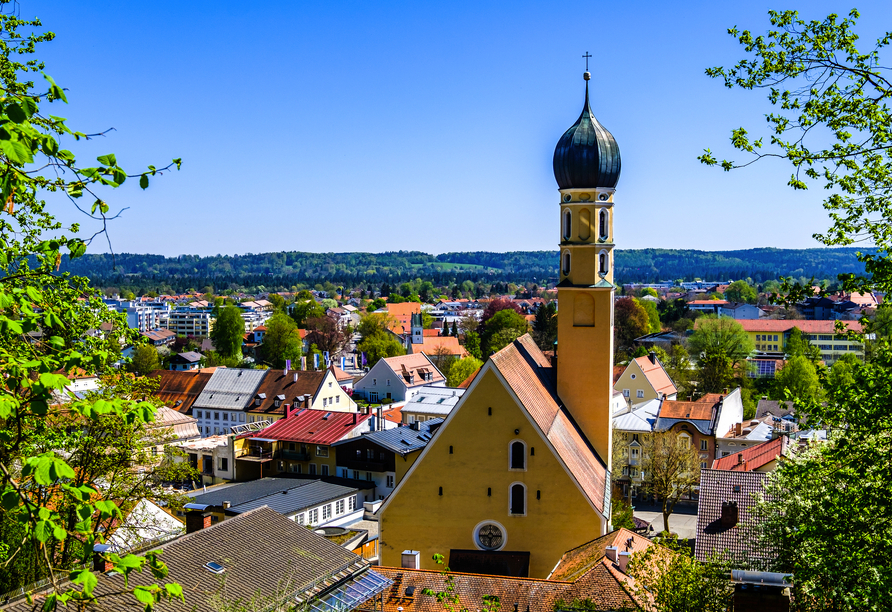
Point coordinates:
[[586, 56]]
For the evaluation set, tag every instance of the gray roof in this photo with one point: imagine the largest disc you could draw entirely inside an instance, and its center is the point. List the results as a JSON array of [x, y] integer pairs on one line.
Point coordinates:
[[289, 501], [239, 493], [775, 408], [230, 388], [265, 555], [190, 356], [401, 440], [641, 418], [702, 425], [730, 543], [434, 400]]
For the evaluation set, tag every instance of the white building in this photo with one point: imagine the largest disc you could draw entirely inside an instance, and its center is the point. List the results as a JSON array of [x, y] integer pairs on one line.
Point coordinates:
[[431, 403], [399, 378]]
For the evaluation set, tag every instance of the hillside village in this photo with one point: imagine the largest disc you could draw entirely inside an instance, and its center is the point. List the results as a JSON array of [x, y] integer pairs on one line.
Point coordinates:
[[568, 445]]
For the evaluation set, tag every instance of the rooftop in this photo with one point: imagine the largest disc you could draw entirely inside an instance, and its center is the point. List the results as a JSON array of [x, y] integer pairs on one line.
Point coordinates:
[[806, 327], [311, 426], [230, 388], [276, 383], [403, 440], [656, 375], [405, 366], [288, 501], [434, 400], [179, 390], [753, 457]]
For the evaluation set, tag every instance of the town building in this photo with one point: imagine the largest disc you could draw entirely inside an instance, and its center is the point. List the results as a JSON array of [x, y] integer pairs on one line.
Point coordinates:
[[431, 403], [189, 322], [225, 399], [770, 336], [159, 337], [757, 458], [186, 361], [279, 391], [399, 378], [645, 379], [179, 390], [520, 469]]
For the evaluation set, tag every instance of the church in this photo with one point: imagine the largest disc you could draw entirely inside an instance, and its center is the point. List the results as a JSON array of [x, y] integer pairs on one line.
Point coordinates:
[[519, 472]]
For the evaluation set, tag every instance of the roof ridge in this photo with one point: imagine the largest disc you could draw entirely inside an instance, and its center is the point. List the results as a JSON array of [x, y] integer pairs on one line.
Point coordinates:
[[452, 573]]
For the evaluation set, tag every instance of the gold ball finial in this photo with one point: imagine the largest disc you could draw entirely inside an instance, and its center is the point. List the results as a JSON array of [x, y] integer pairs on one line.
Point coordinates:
[[587, 75]]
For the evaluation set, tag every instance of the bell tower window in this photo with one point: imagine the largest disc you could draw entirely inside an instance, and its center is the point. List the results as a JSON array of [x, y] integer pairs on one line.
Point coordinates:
[[603, 262], [603, 224], [565, 265], [518, 500], [567, 224], [518, 456]]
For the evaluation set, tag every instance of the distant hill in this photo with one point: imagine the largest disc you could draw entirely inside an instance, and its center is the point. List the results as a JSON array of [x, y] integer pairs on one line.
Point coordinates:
[[292, 267]]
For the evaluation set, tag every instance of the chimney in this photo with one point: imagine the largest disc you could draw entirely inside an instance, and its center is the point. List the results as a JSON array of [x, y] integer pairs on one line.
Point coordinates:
[[410, 559], [624, 558], [725, 391], [309, 401], [355, 418], [227, 505], [738, 429], [653, 357], [740, 458], [295, 376], [99, 564], [612, 552], [729, 513], [197, 520]]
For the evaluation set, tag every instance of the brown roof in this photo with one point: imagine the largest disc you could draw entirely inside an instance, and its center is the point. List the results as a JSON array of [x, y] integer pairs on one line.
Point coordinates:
[[753, 457], [179, 389], [717, 486], [656, 375], [576, 562], [277, 383], [531, 377], [698, 411], [467, 382], [263, 554], [617, 372], [418, 364]]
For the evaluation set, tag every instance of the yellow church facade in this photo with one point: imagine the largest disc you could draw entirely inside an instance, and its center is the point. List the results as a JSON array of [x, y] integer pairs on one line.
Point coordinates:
[[519, 472]]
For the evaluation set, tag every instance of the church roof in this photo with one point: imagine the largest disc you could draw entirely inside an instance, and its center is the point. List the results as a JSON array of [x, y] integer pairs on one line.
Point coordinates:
[[587, 155], [530, 376]]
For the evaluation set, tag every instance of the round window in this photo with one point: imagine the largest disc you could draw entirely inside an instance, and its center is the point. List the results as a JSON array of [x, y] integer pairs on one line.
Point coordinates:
[[603, 197], [634, 376], [490, 536], [567, 197]]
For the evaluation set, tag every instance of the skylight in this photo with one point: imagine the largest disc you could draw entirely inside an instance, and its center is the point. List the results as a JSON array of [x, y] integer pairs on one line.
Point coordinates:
[[214, 567]]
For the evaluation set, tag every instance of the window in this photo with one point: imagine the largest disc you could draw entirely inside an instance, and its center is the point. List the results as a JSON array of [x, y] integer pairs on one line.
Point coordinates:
[[489, 536], [518, 499], [324, 402], [702, 465], [313, 469], [329, 385], [625, 470], [198, 414], [352, 504], [225, 416], [684, 440], [388, 382], [224, 464], [625, 393], [216, 416], [565, 267], [300, 518], [634, 437], [339, 507], [326, 512], [567, 224], [344, 473], [704, 444], [389, 481], [338, 399], [603, 262], [322, 451], [518, 455], [355, 474], [634, 452], [633, 472], [325, 469], [602, 224], [368, 476], [241, 417], [369, 453], [314, 516], [640, 393], [374, 381]]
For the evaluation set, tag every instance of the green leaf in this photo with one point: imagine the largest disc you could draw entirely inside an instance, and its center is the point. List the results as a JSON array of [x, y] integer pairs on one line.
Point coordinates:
[[144, 181], [107, 508], [43, 531], [15, 113], [174, 590], [144, 595], [59, 533], [75, 190], [107, 160], [76, 249], [16, 151], [86, 578]]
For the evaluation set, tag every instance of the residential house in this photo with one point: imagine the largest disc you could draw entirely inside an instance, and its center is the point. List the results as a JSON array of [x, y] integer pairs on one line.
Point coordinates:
[[431, 403], [343, 316], [383, 456], [159, 337], [213, 457], [631, 427], [228, 563], [741, 311], [402, 316], [771, 335], [225, 399], [758, 458], [725, 517], [279, 391], [399, 378], [186, 361], [708, 306], [171, 427], [645, 379], [179, 390]]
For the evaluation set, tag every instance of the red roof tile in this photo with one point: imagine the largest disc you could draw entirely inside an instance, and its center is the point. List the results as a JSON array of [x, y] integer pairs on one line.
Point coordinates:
[[754, 457], [698, 411], [312, 427], [179, 390], [656, 375], [807, 327]]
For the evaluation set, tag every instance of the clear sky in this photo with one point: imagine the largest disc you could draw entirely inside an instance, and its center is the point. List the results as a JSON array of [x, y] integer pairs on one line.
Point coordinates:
[[374, 126]]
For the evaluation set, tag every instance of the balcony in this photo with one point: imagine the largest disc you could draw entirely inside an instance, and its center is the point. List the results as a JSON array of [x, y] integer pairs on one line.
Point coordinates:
[[363, 466], [295, 455], [256, 453]]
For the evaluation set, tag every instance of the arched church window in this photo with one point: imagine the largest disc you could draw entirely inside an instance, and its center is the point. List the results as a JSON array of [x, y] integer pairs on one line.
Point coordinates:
[[603, 262], [518, 455], [518, 499], [567, 224], [565, 266], [603, 224]]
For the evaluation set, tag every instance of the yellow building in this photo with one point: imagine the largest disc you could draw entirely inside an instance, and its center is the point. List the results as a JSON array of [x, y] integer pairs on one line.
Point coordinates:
[[645, 379], [519, 472]]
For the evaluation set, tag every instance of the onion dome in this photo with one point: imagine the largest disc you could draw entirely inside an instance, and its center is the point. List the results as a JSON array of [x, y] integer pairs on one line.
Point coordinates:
[[587, 155]]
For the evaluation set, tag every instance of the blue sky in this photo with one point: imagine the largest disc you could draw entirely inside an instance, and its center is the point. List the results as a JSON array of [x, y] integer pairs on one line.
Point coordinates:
[[358, 126]]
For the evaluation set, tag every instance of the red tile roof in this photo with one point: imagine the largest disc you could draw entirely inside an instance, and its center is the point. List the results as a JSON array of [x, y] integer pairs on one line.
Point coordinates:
[[754, 457], [430, 332], [312, 427], [431, 345], [406, 365], [578, 561], [807, 327], [708, 302], [656, 375], [531, 377], [179, 389], [698, 411]]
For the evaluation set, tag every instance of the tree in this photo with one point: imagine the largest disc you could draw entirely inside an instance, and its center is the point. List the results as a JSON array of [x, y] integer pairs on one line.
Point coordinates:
[[798, 379], [833, 124], [667, 578], [496, 306], [326, 333], [281, 342], [277, 301], [454, 329], [630, 321], [721, 335], [825, 510], [376, 304], [304, 310], [55, 504], [228, 332], [741, 291], [799, 346], [621, 513], [653, 315], [677, 363], [715, 372], [472, 344], [545, 326], [648, 291], [670, 469], [461, 370], [145, 360], [502, 329], [443, 359]]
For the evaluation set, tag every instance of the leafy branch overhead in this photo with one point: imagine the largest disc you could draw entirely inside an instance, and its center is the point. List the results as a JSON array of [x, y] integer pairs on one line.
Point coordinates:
[[68, 465], [832, 123]]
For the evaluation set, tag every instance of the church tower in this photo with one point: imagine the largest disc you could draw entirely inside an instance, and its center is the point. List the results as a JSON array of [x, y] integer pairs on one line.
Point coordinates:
[[587, 168]]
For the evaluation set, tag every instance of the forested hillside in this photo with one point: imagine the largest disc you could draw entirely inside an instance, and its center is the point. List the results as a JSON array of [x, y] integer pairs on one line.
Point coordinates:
[[287, 269]]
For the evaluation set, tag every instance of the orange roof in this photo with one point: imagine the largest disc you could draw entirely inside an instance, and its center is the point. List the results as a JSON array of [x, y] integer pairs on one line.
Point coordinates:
[[340, 375], [406, 365], [431, 345], [754, 457], [656, 375], [698, 411], [180, 389], [807, 327], [579, 560], [709, 302], [430, 332]]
